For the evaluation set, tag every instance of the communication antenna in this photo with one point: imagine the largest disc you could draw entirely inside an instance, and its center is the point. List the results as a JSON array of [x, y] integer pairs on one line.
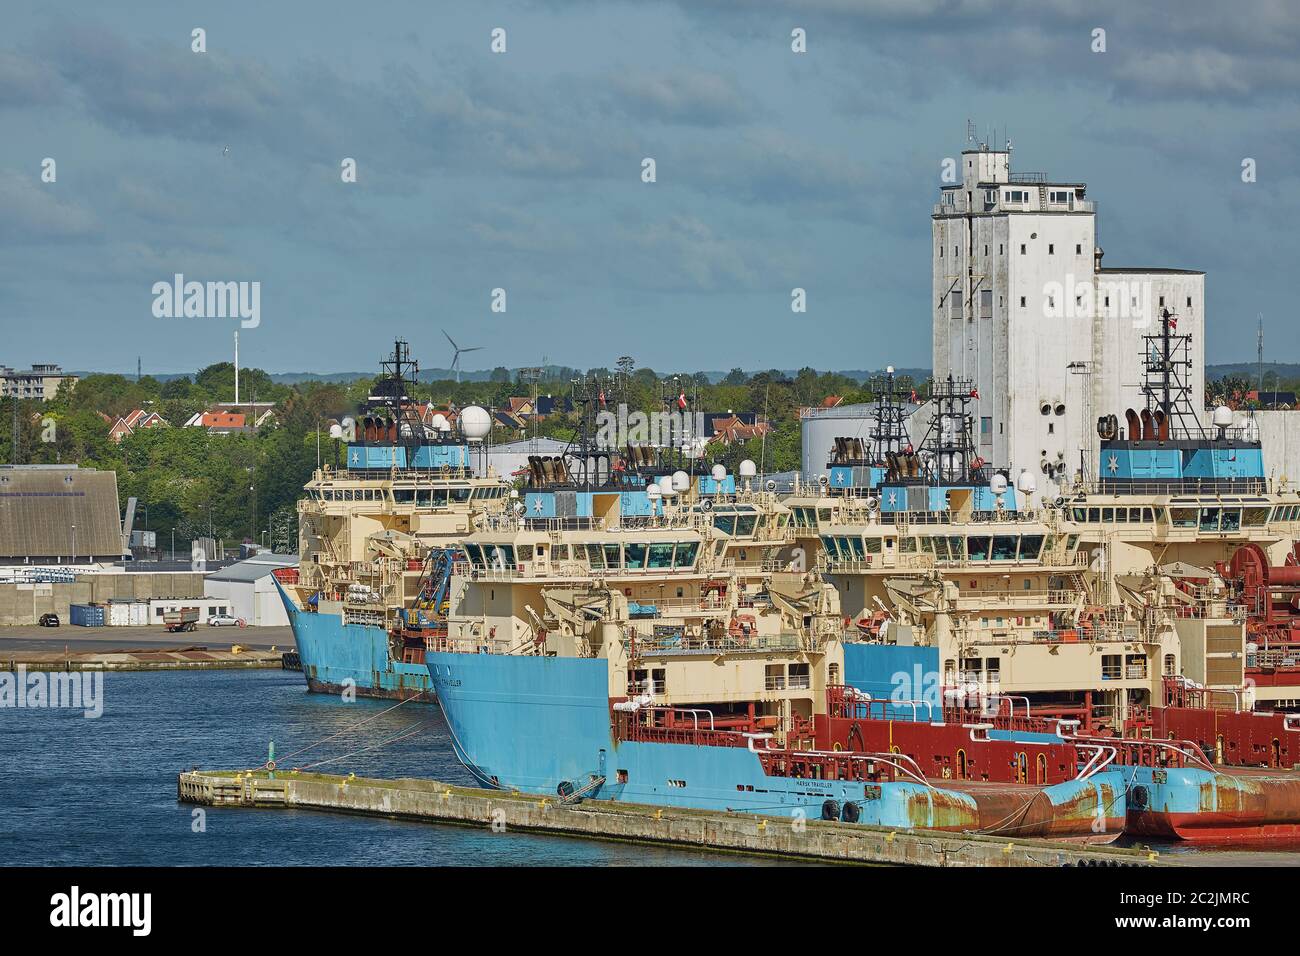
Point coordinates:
[[1260, 344], [970, 130]]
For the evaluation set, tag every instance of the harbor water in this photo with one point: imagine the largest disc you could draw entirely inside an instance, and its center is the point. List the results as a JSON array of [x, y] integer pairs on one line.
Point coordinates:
[[103, 791]]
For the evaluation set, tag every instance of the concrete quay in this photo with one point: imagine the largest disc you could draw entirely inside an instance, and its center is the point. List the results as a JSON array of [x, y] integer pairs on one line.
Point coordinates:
[[816, 840]]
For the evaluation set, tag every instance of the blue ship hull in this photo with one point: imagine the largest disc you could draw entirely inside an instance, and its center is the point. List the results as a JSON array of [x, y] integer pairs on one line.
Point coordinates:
[[538, 724], [337, 657]]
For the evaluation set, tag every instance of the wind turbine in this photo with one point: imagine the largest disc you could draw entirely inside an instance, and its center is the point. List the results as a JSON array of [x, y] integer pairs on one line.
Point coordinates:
[[455, 360]]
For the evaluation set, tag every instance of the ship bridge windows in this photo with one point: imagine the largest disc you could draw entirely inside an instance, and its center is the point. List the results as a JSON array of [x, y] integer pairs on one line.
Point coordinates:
[[1287, 513], [499, 556], [475, 554], [613, 555], [403, 496], [660, 555], [634, 555], [685, 555], [595, 556], [978, 548], [1004, 548], [1183, 517], [1031, 545], [1254, 517]]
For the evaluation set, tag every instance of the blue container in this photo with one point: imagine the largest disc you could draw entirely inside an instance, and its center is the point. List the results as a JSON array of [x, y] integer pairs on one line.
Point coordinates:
[[86, 615]]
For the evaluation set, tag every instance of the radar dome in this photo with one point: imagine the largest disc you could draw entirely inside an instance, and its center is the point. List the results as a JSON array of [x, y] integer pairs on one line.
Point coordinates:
[[748, 469], [475, 422], [681, 481], [998, 484], [666, 486], [718, 472], [1026, 482], [652, 491], [1222, 416], [440, 423]]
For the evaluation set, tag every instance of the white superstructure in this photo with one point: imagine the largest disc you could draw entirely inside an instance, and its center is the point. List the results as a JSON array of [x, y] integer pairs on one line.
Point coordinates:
[[1025, 311]]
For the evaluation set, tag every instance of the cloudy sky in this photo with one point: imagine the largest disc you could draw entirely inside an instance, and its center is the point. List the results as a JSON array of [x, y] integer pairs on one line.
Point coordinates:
[[522, 171]]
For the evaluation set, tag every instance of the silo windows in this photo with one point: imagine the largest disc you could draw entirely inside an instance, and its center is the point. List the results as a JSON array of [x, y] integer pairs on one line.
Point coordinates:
[[1189, 301], [1078, 249], [1051, 248], [1162, 302], [986, 303], [954, 304], [1022, 302], [1022, 248]]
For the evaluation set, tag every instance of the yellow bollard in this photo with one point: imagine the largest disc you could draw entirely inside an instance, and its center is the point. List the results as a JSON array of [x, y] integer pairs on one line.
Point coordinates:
[[1007, 849], [890, 837]]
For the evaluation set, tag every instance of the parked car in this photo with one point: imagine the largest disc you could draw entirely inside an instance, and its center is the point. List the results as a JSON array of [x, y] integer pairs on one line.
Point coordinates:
[[223, 620], [49, 620]]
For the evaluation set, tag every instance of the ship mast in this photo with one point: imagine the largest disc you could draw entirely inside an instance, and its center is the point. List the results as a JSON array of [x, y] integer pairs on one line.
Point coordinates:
[[1167, 365]]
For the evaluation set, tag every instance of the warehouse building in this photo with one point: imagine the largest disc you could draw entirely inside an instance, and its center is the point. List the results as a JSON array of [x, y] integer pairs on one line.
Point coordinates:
[[59, 514], [248, 589]]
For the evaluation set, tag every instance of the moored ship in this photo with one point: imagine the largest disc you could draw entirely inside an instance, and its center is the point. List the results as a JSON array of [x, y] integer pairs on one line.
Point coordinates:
[[377, 537]]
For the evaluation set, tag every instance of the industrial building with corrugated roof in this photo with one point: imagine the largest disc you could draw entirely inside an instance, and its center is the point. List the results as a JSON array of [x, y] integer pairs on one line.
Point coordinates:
[[58, 514]]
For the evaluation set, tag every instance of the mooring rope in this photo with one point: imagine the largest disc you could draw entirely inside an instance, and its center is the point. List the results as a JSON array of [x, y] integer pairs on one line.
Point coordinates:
[[409, 731], [345, 730]]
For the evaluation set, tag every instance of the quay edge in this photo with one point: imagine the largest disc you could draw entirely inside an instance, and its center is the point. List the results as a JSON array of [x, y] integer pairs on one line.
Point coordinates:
[[745, 833]]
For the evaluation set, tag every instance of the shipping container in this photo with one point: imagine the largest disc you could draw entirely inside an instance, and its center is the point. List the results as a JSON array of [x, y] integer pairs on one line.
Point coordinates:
[[86, 615]]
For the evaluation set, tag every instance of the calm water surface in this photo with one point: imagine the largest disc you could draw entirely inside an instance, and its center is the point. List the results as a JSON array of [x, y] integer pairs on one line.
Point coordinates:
[[90, 792], [76, 791]]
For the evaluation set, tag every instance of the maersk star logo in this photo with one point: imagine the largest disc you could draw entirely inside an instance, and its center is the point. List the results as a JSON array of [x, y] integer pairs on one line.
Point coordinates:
[[537, 505], [839, 478], [356, 457], [1112, 464], [893, 497]]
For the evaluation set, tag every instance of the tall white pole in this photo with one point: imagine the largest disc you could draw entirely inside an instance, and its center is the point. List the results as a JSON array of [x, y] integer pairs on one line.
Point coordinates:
[[236, 368]]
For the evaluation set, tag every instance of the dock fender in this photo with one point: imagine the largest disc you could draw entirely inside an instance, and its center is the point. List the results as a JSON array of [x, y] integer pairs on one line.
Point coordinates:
[[1139, 797], [831, 810], [851, 812]]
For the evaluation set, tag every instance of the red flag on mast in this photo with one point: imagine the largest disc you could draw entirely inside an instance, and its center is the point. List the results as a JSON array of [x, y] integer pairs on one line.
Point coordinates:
[[681, 401]]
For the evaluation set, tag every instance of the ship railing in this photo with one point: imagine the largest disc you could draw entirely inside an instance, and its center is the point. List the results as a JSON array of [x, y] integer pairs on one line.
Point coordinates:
[[1273, 657], [1132, 752], [1065, 597], [1128, 632], [629, 727], [1184, 486], [695, 644]]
